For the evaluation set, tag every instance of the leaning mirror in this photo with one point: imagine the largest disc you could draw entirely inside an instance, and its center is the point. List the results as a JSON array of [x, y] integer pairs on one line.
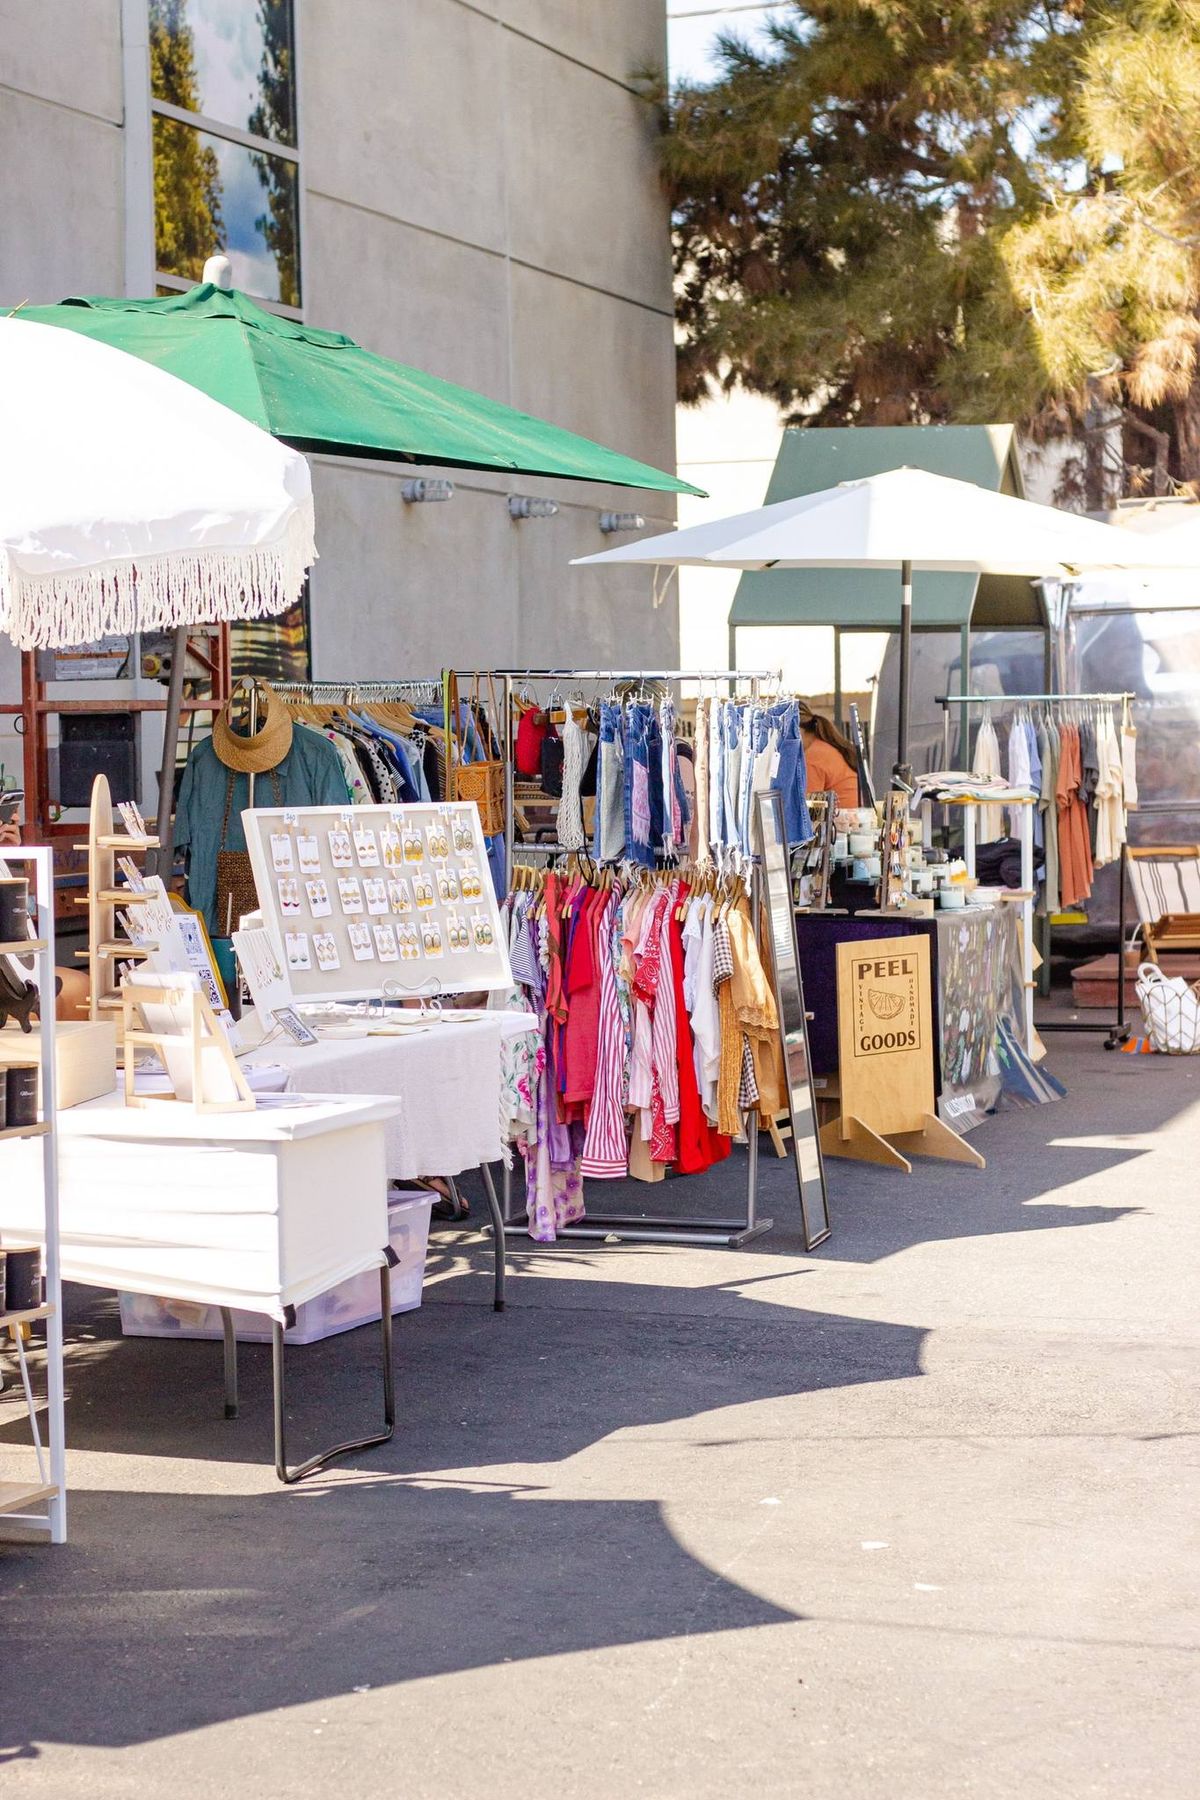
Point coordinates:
[[774, 854]]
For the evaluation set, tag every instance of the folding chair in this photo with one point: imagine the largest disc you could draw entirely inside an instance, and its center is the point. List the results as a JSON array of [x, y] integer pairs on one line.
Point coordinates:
[[1165, 879]]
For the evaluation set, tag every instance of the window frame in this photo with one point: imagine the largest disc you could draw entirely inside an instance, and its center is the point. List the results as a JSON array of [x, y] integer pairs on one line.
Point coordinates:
[[247, 140]]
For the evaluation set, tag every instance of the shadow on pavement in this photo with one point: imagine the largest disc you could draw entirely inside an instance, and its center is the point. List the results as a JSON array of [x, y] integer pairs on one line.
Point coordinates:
[[171, 1610]]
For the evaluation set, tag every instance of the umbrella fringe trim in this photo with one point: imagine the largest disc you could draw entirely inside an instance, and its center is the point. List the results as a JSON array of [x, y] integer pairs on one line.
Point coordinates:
[[181, 587]]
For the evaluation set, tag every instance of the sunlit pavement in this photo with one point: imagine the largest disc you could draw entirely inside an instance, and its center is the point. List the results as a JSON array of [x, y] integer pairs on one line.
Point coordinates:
[[911, 1517]]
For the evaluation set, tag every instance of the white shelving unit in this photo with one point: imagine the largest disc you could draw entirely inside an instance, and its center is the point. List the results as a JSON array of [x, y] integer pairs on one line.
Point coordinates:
[[39, 1506]]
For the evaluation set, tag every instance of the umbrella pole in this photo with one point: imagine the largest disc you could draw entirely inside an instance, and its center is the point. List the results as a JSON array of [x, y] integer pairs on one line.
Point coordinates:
[[166, 774], [902, 769]]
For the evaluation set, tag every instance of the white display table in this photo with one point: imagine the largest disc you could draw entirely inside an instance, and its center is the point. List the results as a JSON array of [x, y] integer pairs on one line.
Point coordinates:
[[257, 1210], [447, 1074]]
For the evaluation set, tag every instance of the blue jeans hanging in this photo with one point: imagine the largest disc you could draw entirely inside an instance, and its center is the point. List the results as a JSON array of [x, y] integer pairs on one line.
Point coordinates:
[[638, 820], [791, 777]]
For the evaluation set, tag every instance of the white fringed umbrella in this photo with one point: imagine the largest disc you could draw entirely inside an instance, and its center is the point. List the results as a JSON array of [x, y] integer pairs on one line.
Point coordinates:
[[130, 500]]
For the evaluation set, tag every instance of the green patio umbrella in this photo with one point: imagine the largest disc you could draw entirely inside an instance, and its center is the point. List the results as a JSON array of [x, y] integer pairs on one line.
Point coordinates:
[[322, 393]]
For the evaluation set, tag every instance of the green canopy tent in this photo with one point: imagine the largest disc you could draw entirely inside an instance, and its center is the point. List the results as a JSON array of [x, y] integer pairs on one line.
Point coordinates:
[[324, 394], [812, 460]]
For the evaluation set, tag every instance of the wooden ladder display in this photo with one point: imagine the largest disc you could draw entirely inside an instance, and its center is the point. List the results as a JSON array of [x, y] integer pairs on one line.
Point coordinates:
[[106, 947]]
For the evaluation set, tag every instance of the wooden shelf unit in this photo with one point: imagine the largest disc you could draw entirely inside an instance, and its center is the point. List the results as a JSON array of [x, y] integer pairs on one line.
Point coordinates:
[[15, 1496], [104, 898], [38, 1506], [25, 1316]]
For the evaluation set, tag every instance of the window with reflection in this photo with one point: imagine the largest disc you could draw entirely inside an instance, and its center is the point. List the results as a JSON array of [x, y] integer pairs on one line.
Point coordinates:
[[226, 168]]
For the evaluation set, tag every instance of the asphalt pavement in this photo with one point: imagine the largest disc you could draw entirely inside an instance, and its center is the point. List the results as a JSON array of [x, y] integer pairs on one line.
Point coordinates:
[[914, 1516]]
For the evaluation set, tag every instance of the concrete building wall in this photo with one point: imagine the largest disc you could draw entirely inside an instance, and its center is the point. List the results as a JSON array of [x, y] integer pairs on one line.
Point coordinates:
[[481, 200], [488, 208]]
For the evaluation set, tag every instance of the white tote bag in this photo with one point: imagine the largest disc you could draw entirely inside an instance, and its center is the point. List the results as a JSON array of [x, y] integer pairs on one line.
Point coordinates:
[[1171, 1010]]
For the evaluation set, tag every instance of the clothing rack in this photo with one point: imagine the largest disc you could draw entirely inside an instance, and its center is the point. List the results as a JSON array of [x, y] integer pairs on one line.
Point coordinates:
[[508, 678], [426, 692], [635, 1227], [1118, 1031]]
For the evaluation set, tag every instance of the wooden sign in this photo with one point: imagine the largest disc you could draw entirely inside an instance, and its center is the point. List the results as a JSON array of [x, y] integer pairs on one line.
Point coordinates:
[[885, 1057]]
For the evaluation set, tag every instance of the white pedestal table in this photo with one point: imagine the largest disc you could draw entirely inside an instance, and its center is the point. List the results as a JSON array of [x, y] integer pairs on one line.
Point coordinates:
[[255, 1210]]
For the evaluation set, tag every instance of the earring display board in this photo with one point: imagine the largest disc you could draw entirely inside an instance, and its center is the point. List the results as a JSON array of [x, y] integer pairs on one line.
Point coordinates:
[[365, 901]]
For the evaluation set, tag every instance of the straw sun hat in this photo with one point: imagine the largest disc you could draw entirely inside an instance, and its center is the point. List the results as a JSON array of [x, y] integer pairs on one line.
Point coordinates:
[[269, 745]]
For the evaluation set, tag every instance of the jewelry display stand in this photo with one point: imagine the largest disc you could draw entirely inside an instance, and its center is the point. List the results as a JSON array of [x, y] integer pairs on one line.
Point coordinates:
[[171, 1016], [815, 860], [105, 949]]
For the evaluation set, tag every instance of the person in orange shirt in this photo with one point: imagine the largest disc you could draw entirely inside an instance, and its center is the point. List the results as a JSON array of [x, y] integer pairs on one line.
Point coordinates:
[[829, 758]]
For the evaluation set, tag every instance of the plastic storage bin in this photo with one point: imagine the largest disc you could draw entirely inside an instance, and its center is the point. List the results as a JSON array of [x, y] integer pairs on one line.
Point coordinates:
[[354, 1303]]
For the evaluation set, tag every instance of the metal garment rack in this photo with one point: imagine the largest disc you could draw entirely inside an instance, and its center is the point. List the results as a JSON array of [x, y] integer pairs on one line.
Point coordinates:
[[1118, 1031], [631, 1227], [428, 691]]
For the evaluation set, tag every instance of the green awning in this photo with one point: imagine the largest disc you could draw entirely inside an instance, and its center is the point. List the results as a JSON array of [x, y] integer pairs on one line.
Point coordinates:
[[323, 393], [811, 459]]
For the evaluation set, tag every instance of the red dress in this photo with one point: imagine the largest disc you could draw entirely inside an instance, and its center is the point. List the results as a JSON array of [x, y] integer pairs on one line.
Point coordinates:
[[700, 1144]]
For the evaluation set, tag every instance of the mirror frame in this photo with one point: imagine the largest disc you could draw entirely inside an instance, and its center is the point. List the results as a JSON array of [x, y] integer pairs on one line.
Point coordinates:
[[774, 854]]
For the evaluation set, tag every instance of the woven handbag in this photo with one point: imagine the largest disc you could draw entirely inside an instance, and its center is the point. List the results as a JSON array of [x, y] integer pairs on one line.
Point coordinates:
[[237, 894], [1171, 1010], [482, 782]]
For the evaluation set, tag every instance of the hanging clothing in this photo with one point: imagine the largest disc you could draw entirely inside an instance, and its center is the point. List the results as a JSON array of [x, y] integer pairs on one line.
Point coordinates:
[[698, 845], [700, 1146], [701, 1002], [570, 808], [754, 1005], [1110, 806], [1049, 752], [356, 781], [1033, 752], [606, 1142], [624, 1076], [990, 823], [1129, 767], [1019, 772], [790, 777], [1074, 843], [310, 774]]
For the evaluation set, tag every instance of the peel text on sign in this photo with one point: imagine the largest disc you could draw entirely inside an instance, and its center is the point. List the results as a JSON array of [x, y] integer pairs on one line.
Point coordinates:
[[886, 1005]]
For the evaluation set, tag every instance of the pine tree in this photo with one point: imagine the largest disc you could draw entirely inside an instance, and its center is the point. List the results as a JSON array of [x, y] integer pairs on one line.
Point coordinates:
[[1109, 273], [897, 212], [839, 196]]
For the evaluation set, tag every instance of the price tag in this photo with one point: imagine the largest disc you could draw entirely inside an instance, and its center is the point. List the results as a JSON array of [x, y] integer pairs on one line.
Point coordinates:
[[291, 1022]]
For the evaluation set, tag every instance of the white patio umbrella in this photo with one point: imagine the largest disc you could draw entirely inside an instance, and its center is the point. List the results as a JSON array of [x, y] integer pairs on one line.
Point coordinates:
[[130, 500], [904, 519]]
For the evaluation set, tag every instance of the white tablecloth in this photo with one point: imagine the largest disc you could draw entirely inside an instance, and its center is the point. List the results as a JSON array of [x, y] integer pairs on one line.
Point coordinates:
[[447, 1078]]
